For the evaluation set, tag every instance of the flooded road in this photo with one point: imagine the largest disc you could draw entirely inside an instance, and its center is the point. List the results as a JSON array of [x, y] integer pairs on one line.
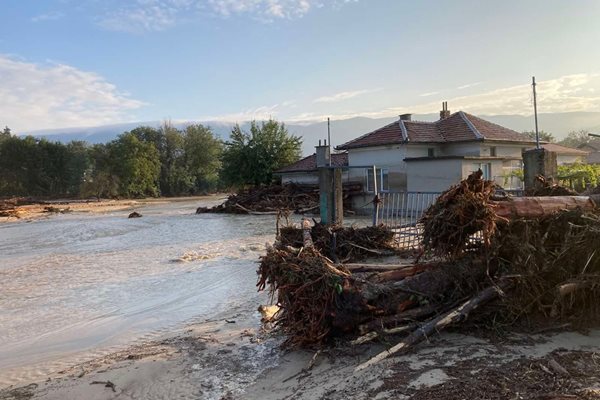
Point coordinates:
[[78, 286]]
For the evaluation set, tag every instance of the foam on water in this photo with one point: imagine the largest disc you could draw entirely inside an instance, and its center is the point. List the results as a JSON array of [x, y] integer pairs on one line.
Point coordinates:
[[77, 286]]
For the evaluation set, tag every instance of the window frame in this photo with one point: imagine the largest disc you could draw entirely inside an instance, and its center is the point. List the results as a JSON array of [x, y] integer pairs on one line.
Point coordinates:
[[383, 180]]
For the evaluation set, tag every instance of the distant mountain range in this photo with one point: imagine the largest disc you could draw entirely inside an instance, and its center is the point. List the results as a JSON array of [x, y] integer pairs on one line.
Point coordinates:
[[559, 124]]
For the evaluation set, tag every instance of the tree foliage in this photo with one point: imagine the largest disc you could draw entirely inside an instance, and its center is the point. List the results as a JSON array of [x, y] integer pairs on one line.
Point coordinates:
[[250, 158], [576, 138], [144, 162], [544, 136], [579, 176]]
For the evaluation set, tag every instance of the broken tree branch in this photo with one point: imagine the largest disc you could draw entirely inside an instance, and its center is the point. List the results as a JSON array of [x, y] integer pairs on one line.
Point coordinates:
[[439, 323]]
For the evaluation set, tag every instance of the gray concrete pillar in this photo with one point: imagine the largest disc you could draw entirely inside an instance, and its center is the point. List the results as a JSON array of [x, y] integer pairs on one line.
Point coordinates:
[[331, 196], [539, 162]]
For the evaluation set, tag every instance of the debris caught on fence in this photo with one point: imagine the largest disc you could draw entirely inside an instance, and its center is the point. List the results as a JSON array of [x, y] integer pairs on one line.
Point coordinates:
[[537, 267]]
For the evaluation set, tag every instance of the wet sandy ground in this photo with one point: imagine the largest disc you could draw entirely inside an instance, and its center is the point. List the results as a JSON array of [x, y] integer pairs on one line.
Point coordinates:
[[37, 211], [233, 357]]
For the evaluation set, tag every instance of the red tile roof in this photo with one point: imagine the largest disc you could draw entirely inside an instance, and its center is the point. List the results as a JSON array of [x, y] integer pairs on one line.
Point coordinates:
[[310, 163], [389, 134], [459, 126], [564, 150]]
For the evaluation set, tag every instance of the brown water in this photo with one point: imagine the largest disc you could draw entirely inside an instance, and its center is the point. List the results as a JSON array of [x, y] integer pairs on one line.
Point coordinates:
[[74, 287]]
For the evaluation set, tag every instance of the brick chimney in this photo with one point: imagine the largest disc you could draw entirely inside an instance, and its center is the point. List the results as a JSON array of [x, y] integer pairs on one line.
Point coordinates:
[[405, 117], [323, 154], [444, 113]]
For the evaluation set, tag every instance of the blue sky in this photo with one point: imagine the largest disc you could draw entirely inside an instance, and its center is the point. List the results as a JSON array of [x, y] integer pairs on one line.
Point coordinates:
[[66, 63]]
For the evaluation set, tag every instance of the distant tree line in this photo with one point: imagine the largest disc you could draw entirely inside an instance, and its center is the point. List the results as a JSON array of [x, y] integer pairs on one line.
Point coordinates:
[[573, 138], [145, 161]]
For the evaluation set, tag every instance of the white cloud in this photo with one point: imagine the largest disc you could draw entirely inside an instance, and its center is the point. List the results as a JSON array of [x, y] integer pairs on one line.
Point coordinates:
[[139, 16], [569, 93], [264, 9], [258, 113], [143, 16], [343, 96], [564, 94], [51, 16], [428, 94], [469, 85], [44, 96]]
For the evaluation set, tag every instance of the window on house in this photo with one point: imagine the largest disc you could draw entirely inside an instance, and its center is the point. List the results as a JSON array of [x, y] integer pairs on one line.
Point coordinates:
[[493, 151], [430, 152], [383, 184], [486, 168]]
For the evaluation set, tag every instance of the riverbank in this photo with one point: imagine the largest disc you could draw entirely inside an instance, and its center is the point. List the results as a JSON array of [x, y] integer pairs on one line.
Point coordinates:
[[31, 212], [104, 302], [234, 357]]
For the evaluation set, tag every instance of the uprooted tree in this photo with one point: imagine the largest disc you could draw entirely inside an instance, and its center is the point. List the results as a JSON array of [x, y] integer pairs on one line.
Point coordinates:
[[511, 261]]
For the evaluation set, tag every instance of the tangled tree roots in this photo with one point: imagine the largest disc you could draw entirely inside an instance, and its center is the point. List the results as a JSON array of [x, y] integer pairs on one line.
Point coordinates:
[[458, 213], [557, 259], [343, 243], [539, 266], [306, 285]]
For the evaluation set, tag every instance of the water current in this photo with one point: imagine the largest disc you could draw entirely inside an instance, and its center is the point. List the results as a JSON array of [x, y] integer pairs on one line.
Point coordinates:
[[77, 286]]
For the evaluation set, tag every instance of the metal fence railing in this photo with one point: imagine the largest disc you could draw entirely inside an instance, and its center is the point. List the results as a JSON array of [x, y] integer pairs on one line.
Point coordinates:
[[401, 212]]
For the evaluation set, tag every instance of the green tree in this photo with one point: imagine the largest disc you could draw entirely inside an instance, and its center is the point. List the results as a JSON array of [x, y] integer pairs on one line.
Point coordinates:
[[77, 164], [5, 134], [576, 138], [203, 152], [100, 179], [174, 177], [579, 176], [544, 136], [136, 164], [251, 158]]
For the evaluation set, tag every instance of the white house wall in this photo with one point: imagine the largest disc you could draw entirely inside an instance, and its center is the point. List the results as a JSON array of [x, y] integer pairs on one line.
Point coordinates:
[[433, 175], [461, 149], [568, 159], [306, 178], [385, 157]]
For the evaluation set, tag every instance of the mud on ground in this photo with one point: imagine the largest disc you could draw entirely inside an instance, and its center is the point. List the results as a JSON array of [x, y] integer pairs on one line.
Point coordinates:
[[234, 358]]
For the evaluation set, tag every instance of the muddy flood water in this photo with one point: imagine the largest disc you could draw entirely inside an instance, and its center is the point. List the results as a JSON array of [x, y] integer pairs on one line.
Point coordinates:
[[77, 286]]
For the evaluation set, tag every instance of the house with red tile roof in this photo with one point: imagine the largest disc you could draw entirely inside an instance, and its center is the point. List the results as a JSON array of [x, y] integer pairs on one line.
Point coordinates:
[[593, 150], [420, 156], [305, 170], [565, 154]]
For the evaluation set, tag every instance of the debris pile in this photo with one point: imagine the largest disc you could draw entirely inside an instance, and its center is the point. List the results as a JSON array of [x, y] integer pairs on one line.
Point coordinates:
[[343, 244], [547, 188], [13, 207], [537, 261], [292, 197], [459, 213]]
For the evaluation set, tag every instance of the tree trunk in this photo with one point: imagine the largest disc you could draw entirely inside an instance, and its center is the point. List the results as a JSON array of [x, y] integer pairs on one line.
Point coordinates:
[[535, 207]]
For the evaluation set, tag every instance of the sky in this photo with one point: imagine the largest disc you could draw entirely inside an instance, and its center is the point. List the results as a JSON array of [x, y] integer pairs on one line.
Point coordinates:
[[70, 63]]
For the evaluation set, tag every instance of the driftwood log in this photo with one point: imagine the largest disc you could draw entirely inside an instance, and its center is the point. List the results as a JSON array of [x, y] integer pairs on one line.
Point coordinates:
[[437, 324], [536, 207]]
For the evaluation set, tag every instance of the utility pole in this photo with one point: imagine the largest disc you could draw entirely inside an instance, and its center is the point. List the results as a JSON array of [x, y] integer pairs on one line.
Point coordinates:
[[329, 140], [537, 134]]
